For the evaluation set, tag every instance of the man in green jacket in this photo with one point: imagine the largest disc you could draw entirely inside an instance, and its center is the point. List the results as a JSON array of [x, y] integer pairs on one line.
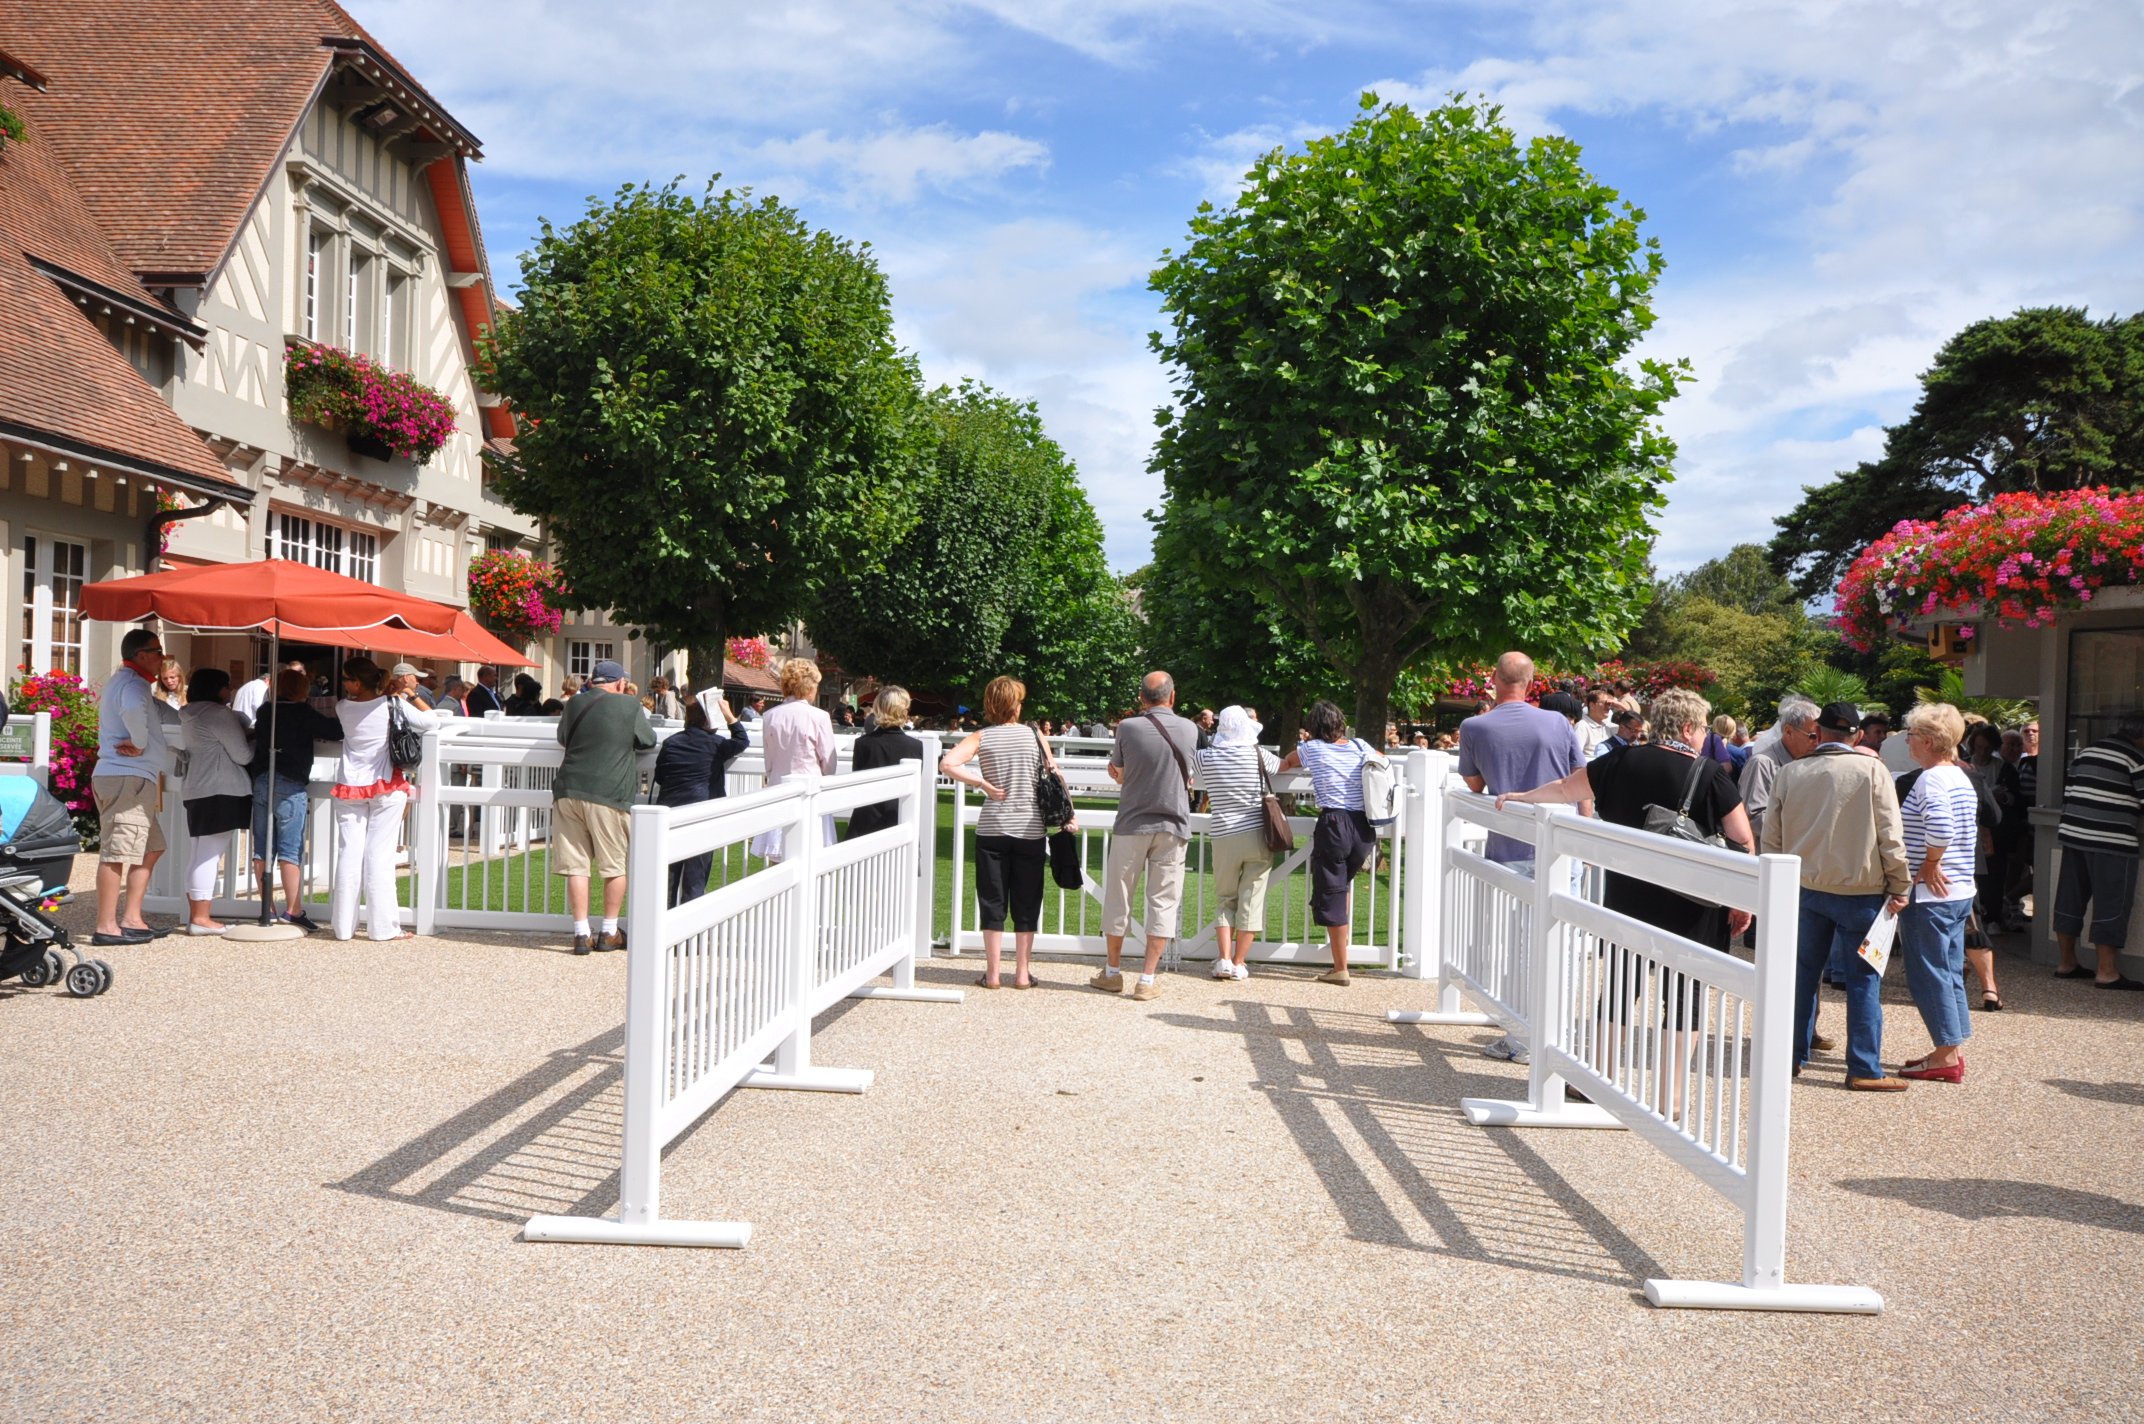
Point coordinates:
[[603, 733]]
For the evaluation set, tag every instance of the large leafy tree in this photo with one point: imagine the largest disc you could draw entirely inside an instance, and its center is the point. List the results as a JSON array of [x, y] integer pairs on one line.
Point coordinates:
[[1077, 639], [1407, 409], [713, 418], [936, 613], [2044, 399]]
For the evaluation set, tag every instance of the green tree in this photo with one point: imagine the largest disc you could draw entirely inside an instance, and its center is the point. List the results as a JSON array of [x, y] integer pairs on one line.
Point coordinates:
[[1406, 408], [1223, 643], [1077, 639], [936, 610], [1742, 578], [713, 419], [2045, 399]]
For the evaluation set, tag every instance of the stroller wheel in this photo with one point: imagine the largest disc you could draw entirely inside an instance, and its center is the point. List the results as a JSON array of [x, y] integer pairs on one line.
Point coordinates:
[[104, 972], [84, 982], [44, 970]]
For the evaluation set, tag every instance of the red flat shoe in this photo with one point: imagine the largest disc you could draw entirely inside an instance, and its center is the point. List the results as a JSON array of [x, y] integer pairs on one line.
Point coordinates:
[[1955, 1073]]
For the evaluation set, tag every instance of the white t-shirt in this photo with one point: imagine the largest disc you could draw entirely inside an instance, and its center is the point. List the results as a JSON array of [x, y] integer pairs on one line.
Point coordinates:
[[249, 699]]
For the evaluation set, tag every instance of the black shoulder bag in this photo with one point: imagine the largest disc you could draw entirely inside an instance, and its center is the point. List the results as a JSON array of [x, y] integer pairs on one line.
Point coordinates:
[[1676, 823], [1051, 797], [405, 744]]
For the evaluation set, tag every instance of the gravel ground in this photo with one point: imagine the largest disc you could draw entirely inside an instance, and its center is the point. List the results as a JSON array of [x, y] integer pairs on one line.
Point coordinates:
[[285, 1182]]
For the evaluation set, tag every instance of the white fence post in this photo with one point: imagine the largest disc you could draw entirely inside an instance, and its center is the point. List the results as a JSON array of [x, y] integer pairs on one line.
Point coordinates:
[[1548, 1017], [648, 866], [1431, 930], [1764, 1228], [791, 1065], [1420, 908], [427, 837], [920, 814]]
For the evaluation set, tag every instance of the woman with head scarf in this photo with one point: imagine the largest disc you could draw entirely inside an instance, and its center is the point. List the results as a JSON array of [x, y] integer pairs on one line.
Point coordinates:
[[1233, 773]]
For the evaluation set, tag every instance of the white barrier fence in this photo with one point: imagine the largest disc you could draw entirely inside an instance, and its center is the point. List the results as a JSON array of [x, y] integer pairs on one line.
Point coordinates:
[[722, 990], [1072, 921], [1686, 1045]]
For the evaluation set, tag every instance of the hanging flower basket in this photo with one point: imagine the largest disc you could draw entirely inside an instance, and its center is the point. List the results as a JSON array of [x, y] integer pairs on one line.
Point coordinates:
[[519, 596], [393, 413], [2020, 558], [750, 652]]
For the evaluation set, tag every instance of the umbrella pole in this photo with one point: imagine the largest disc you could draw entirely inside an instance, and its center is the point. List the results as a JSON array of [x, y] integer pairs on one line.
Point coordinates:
[[266, 927]]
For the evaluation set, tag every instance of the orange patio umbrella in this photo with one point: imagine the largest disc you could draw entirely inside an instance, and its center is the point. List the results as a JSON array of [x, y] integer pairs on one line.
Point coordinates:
[[468, 642]]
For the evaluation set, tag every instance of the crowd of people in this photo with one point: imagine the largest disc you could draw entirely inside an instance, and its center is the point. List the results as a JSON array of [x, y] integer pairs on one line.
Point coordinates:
[[1929, 826]]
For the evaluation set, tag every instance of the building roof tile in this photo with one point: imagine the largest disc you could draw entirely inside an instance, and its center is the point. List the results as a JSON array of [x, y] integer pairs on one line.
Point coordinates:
[[59, 377]]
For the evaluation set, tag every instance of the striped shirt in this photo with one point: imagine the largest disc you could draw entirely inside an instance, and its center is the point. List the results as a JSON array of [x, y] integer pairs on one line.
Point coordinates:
[[1009, 758], [2101, 797], [1335, 772], [1942, 809], [1235, 793]]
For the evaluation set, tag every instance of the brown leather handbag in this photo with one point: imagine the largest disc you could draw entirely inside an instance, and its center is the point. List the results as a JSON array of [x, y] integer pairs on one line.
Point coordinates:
[[1280, 835]]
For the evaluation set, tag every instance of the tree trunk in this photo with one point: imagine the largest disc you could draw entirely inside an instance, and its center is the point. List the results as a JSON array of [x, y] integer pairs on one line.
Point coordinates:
[[1290, 717], [705, 649], [1373, 679]]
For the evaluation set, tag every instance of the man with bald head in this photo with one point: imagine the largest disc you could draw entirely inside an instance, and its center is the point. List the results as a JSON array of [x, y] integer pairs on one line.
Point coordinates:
[[1515, 746], [1152, 762]]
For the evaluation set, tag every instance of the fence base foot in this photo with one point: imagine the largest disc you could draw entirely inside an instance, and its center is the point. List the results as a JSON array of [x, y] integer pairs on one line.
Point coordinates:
[[811, 1080], [606, 1231], [1717, 1295], [1418, 1016], [1502, 1112], [920, 996]]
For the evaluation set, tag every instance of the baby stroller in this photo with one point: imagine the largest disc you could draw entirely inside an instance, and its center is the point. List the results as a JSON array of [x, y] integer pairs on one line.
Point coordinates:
[[37, 850]]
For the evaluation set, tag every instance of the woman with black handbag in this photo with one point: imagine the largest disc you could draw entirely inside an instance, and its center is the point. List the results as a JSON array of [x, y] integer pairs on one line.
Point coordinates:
[[1236, 775], [1009, 837], [379, 724]]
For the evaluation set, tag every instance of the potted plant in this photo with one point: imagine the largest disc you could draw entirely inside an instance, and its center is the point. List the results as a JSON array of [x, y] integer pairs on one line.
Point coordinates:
[[382, 412], [519, 596]]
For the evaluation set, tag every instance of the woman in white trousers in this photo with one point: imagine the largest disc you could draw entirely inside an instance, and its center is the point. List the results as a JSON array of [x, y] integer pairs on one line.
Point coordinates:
[[370, 795]]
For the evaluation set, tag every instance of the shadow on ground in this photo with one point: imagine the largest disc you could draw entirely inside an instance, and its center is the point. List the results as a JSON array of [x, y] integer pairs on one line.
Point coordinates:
[[1374, 1111], [1988, 1198]]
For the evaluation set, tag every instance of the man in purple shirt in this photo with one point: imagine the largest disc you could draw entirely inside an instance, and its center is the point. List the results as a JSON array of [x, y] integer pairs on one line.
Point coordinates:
[[1515, 746]]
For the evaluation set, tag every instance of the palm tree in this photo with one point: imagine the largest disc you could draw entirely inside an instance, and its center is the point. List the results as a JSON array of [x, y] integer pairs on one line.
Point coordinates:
[[1825, 685], [2002, 711]]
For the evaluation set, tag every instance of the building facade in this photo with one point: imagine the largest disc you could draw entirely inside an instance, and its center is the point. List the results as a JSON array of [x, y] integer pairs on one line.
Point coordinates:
[[313, 194]]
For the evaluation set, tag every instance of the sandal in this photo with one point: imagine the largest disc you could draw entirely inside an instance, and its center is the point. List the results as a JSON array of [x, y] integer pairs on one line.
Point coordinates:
[[982, 981], [2121, 983], [1028, 985], [1990, 1000]]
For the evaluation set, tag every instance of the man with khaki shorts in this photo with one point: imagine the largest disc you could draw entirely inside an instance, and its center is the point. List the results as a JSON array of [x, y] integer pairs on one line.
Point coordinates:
[[595, 787], [1152, 762], [128, 785]]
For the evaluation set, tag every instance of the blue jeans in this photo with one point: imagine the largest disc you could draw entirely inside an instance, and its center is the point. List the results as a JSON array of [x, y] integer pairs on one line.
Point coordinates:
[[289, 818], [1833, 925], [1933, 938]]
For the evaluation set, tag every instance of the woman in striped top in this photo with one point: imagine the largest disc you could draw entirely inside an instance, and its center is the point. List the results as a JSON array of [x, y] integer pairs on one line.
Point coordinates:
[[1009, 845], [1343, 841], [1232, 772], [1941, 815]]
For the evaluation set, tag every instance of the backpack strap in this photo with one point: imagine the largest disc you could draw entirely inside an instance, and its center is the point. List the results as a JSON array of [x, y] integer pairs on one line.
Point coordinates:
[[1170, 742]]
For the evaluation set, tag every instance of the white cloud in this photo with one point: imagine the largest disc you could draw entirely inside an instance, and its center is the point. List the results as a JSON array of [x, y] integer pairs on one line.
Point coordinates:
[[1929, 165], [896, 163], [1220, 164]]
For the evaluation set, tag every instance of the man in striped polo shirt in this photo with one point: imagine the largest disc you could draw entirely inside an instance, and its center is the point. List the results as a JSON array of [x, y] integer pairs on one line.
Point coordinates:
[[2102, 795]]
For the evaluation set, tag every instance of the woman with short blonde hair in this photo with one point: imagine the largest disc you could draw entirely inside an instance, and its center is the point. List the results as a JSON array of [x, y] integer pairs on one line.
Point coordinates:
[[890, 708], [1940, 726], [800, 678], [1940, 817]]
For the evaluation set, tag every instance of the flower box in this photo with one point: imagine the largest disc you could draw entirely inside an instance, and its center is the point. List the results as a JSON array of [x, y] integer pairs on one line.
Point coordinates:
[[519, 596], [390, 412]]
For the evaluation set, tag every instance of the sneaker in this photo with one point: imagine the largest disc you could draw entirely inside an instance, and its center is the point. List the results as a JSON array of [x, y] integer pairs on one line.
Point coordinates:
[[1239, 971], [1109, 981], [1334, 976], [1507, 1048], [195, 928], [583, 943], [611, 941], [1143, 992], [1222, 969], [302, 920]]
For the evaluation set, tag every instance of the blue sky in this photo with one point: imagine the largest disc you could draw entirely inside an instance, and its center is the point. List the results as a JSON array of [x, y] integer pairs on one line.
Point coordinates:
[[1838, 186]]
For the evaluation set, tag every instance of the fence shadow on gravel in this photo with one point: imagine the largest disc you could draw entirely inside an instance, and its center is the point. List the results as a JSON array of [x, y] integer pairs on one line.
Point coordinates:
[[546, 1143], [2126, 1094], [1990, 1198], [1375, 1113]]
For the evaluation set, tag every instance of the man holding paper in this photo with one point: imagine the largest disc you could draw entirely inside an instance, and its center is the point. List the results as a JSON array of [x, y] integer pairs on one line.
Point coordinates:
[[1837, 810]]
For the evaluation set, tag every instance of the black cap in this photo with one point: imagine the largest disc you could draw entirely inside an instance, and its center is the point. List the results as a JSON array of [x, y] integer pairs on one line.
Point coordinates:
[[1839, 717]]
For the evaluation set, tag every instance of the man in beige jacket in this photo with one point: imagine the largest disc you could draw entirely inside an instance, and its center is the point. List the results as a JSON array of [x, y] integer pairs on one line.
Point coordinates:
[[1836, 809]]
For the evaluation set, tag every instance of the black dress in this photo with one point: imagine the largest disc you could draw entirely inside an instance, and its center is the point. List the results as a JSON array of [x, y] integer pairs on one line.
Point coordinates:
[[1625, 782], [881, 746]]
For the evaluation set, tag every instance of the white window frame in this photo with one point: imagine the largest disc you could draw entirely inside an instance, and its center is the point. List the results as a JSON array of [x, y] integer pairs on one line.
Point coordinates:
[[51, 594], [582, 655], [315, 240], [338, 548], [353, 283]]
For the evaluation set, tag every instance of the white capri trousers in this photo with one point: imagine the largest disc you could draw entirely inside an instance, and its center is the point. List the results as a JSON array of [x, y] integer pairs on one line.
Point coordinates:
[[201, 869], [365, 837]]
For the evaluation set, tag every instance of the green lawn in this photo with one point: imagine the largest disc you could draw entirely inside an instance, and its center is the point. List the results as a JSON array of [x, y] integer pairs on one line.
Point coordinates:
[[522, 882]]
